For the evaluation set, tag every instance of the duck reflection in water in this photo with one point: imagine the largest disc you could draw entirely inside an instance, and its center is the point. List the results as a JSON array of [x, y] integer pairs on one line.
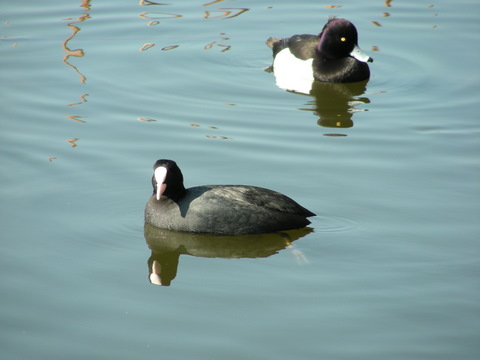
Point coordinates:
[[335, 104], [167, 246]]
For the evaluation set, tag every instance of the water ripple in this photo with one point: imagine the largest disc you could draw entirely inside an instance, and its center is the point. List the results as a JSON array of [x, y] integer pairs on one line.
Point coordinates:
[[335, 224]]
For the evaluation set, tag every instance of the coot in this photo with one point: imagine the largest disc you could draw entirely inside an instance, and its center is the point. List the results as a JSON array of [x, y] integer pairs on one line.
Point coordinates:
[[218, 209]]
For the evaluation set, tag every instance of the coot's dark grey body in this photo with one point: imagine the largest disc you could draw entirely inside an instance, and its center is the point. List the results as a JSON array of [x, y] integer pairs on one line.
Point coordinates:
[[220, 209]]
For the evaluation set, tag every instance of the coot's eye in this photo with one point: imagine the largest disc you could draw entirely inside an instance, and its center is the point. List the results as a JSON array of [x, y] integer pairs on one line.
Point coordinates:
[[343, 39]]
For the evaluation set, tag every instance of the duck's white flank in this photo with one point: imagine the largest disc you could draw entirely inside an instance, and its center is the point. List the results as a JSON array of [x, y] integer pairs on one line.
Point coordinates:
[[292, 73]]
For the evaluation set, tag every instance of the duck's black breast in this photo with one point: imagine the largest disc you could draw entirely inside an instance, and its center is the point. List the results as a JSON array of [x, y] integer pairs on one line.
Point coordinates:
[[344, 70], [227, 210]]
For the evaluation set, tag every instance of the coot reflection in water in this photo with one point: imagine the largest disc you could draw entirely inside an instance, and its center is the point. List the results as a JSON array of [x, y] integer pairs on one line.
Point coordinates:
[[167, 246]]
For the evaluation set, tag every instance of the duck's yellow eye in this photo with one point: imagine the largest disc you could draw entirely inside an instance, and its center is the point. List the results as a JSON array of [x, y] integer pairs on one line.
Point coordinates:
[[343, 39]]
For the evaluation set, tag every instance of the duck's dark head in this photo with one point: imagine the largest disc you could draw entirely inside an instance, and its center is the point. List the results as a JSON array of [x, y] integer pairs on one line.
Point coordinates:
[[167, 179], [339, 39]]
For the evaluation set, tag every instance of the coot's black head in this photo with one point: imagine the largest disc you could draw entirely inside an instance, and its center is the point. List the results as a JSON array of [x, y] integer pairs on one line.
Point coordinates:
[[339, 39], [167, 179]]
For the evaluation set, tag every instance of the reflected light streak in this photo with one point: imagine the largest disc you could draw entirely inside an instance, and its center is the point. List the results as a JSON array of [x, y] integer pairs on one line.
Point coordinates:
[[76, 52], [147, 3], [170, 47], [85, 4], [147, 46], [84, 100], [146, 119], [212, 2], [224, 13], [152, 15], [76, 118], [227, 47], [209, 46], [73, 142]]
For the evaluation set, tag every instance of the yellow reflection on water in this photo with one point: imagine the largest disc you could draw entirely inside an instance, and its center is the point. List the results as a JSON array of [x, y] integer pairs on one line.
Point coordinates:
[[218, 137], [76, 118], [225, 13], [77, 52], [155, 15], [72, 142], [224, 47], [212, 2], [84, 100], [145, 119], [147, 46], [147, 2], [154, 18], [170, 47]]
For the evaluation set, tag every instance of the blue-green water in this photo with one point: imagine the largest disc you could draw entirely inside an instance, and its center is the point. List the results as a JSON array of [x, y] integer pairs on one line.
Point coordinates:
[[391, 267]]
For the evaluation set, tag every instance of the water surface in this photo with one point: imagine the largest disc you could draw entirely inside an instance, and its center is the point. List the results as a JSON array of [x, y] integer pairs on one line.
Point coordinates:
[[94, 92]]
